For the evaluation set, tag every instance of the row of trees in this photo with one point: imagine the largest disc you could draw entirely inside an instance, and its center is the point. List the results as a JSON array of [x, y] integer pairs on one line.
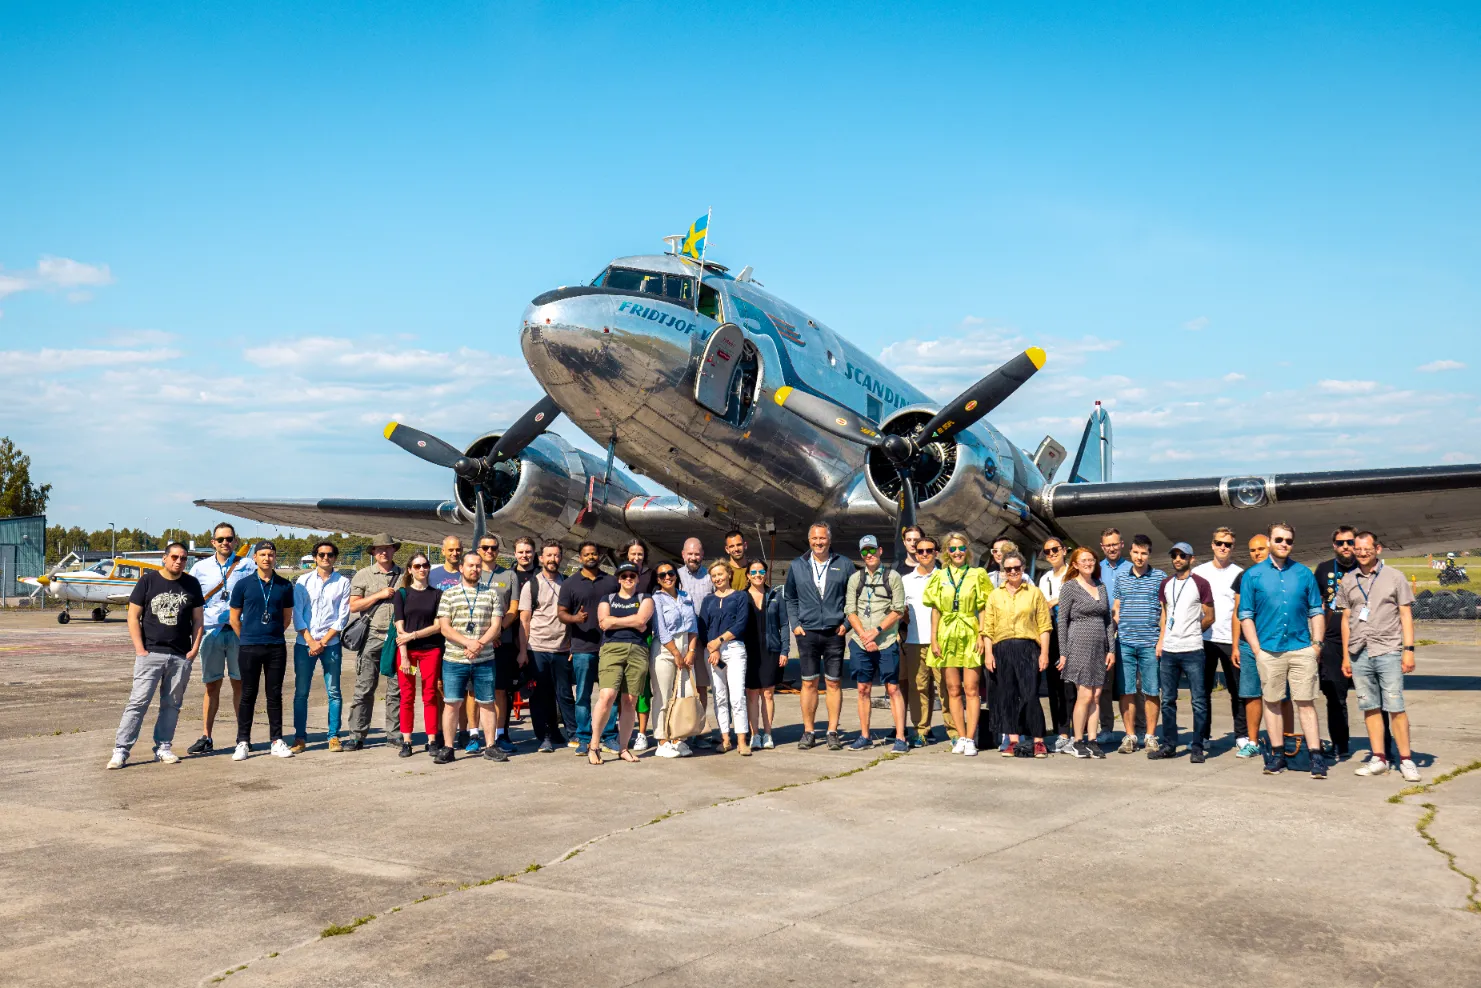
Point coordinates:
[[60, 541]]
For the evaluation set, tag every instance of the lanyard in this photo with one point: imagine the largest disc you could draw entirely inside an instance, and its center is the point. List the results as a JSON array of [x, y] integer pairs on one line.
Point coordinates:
[[1177, 591], [267, 602], [819, 573], [468, 628], [956, 588], [1359, 581]]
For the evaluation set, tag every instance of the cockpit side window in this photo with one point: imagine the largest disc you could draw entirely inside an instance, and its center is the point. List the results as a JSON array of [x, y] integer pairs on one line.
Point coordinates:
[[678, 287]]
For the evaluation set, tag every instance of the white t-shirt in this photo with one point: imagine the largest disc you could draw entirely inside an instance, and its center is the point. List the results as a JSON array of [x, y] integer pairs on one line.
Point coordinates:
[[1050, 585], [919, 630], [1183, 601], [1221, 581]]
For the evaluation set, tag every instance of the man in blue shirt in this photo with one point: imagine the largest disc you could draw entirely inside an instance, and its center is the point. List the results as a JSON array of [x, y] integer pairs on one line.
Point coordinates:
[[261, 614], [1137, 609], [1111, 568], [1280, 615]]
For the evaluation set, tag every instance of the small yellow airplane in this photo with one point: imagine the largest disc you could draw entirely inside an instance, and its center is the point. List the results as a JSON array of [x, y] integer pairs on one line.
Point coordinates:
[[106, 583]]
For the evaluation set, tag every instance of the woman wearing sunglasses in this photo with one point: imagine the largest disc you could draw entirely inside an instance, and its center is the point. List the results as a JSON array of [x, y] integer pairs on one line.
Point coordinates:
[[674, 642], [626, 618], [1017, 650], [956, 594], [1085, 643], [1062, 692], [419, 651], [722, 628], [766, 651]]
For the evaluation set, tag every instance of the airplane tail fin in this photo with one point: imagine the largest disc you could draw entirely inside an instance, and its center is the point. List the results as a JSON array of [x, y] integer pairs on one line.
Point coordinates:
[[1092, 463]]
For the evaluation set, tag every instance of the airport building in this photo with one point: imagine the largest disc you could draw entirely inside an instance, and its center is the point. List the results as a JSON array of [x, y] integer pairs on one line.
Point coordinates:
[[22, 553]]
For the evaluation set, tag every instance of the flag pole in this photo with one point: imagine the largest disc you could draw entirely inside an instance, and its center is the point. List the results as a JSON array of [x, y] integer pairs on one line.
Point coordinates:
[[700, 281]]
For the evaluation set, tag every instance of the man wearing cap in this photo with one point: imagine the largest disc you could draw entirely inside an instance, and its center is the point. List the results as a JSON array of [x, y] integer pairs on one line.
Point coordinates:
[[1187, 610], [816, 584], [261, 614], [371, 590], [874, 601]]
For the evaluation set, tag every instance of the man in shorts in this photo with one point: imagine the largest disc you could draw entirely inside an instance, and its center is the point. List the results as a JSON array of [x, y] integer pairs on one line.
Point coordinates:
[[816, 585], [874, 602], [1136, 610], [218, 653], [1377, 604], [1280, 614], [469, 617]]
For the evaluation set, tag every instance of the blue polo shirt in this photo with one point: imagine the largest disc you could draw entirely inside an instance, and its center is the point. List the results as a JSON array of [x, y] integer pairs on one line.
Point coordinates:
[[262, 606], [1109, 574], [1281, 600], [1141, 605]]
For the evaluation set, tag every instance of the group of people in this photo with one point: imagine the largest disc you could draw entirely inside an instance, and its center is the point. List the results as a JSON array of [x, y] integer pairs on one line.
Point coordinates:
[[606, 659]]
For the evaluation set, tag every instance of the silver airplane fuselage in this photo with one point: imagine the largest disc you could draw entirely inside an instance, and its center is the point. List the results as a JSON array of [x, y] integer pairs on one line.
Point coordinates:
[[623, 358]]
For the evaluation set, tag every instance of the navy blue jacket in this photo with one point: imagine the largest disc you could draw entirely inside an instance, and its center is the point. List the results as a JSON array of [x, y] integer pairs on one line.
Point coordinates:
[[778, 632], [808, 610]]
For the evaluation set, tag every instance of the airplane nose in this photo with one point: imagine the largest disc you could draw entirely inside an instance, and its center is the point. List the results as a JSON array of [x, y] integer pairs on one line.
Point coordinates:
[[44, 581]]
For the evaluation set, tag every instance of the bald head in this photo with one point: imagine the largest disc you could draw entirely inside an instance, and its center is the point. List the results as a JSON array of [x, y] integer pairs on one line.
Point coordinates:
[[692, 553], [452, 551]]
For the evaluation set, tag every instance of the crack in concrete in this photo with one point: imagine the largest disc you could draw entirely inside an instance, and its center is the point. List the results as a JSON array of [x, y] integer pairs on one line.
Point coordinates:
[[1473, 904]]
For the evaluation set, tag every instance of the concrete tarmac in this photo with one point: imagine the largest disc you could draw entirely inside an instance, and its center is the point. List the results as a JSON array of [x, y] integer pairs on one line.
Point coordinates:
[[786, 867]]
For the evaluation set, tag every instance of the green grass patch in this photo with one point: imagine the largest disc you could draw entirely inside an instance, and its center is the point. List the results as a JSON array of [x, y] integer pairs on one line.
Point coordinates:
[[1427, 641], [336, 930], [533, 867], [1438, 780]]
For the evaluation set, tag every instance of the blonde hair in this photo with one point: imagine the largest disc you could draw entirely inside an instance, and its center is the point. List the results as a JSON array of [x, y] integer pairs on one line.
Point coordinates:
[[1224, 530], [958, 537]]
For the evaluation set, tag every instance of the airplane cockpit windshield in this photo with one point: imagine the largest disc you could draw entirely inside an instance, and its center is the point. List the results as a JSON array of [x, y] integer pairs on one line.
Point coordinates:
[[105, 567], [675, 287]]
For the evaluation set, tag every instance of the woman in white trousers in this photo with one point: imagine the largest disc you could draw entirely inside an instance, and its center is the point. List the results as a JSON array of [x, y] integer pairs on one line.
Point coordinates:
[[674, 642], [722, 628]]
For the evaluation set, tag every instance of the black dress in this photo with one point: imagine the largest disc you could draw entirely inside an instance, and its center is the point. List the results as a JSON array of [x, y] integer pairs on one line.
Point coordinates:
[[762, 669]]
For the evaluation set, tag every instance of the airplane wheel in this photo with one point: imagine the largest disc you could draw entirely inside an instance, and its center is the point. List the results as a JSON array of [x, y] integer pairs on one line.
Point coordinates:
[[63, 618], [99, 614]]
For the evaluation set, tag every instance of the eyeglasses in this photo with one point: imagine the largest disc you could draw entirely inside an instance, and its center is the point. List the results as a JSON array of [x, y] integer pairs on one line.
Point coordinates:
[[924, 552], [667, 574], [756, 572], [1223, 545], [421, 565], [954, 549], [1281, 540], [868, 552], [1111, 545], [1178, 554], [177, 557], [226, 538], [1344, 541], [1052, 550], [627, 576], [488, 548], [1012, 569], [325, 555]]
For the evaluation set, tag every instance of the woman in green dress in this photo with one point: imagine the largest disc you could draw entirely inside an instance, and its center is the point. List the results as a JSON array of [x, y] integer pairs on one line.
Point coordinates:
[[957, 594]]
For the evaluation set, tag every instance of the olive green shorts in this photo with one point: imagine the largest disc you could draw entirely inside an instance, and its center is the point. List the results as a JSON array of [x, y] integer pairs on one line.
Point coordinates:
[[623, 666]]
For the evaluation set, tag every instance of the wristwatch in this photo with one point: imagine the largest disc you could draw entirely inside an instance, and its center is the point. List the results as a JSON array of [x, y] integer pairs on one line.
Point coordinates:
[[1408, 648]]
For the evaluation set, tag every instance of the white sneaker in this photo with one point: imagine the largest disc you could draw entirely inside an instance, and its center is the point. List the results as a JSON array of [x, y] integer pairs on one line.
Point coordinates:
[[120, 758], [766, 741], [969, 747], [640, 743], [666, 749], [1373, 766], [682, 749], [243, 750], [1063, 744], [164, 754], [1408, 770], [1241, 742], [956, 746], [281, 749]]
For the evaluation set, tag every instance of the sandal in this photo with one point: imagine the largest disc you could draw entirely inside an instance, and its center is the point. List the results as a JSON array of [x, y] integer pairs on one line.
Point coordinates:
[[627, 755], [593, 755]]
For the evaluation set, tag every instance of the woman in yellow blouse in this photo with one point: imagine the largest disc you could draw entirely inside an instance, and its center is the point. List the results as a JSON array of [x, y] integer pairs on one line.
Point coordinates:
[[956, 594], [1017, 650]]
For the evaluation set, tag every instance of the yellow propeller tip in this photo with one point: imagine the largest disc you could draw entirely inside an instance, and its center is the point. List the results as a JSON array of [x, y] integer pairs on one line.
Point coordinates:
[[1038, 356], [781, 394], [390, 428]]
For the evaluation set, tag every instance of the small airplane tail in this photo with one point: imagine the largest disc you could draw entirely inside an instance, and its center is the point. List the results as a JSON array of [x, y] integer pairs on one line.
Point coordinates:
[[1092, 463]]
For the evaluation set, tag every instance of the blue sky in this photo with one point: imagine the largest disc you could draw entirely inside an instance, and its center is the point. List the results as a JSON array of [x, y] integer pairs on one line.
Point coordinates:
[[238, 238]]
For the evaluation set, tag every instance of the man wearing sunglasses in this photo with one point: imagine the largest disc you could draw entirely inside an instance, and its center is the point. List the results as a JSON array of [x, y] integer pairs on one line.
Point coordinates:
[[217, 575], [920, 684], [874, 600], [1280, 614], [509, 674], [1111, 567], [1334, 684], [1187, 611], [321, 609], [166, 614], [1218, 644]]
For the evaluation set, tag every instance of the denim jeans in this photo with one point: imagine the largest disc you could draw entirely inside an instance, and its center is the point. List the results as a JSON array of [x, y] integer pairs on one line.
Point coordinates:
[[303, 679], [1138, 662], [552, 695], [1174, 666], [584, 679]]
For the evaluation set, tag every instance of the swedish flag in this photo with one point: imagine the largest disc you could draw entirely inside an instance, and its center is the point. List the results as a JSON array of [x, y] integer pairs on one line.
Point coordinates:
[[694, 240]]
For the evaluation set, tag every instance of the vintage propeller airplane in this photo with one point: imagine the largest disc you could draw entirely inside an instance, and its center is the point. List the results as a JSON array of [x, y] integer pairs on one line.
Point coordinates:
[[762, 418]]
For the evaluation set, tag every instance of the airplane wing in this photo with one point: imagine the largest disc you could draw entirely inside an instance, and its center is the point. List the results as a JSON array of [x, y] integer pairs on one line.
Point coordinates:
[[119, 599], [1411, 509], [410, 520]]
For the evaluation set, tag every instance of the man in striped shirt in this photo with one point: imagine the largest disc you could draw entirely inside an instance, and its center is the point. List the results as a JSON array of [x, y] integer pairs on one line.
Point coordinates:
[[1136, 609]]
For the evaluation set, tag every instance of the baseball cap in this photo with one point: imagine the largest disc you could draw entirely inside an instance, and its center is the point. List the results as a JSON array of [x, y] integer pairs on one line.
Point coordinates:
[[264, 544], [868, 542], [627, 568], [1182, 547]]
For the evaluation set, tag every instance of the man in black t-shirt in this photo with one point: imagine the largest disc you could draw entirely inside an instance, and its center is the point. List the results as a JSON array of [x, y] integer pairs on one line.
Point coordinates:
[[1334, 684], [166, 618], [577, 607]]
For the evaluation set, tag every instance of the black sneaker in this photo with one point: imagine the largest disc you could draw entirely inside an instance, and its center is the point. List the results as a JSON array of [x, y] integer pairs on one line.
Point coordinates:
[[444, 756], [1318, 766], [494, 754], [405, 749], [834, 742], [204, 746], [351, 744], [1094, 747], [546, 747], [807, 741], [1158, 751], [1275, 763], [1079, 749], [1195, 755]]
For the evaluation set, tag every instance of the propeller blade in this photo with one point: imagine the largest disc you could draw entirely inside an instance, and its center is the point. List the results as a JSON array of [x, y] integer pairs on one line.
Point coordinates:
[[982, 397], [523, 432], [423, 445], [829, 416], [480, 520], [907, 512]]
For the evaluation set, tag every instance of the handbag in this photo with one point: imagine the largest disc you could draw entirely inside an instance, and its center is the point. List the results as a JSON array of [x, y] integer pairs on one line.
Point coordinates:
[[683, 716], [388, 647]]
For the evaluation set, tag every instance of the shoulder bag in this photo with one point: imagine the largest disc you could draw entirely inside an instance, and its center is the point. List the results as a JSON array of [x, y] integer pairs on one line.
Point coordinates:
[[683, 716], [388, 647]]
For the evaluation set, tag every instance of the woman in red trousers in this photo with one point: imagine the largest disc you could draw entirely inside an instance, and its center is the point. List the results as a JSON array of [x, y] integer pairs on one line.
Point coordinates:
[[419, 651]]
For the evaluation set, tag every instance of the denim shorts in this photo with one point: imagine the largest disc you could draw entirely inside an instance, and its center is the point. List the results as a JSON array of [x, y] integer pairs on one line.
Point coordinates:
[[868, 667], [1249, 674], [1138, 661], [218, 655], [1380, 681], [458, 677]]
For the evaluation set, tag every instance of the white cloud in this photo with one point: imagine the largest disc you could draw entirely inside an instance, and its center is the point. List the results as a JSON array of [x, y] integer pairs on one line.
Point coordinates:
[[58, 361], [1196, 323], [315, 354], [1348, 387], [139, 337], [1233, 376], [1441, 365], [57, 274]]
